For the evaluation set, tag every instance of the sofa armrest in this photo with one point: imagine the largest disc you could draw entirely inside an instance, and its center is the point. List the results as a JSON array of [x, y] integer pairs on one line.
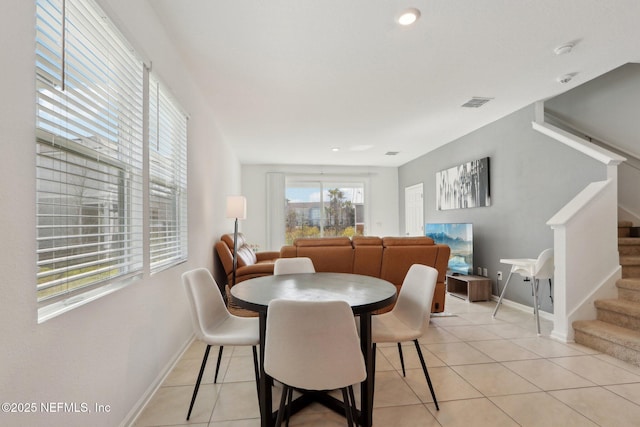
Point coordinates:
[[261, 268], [226, 258], [267, 256]]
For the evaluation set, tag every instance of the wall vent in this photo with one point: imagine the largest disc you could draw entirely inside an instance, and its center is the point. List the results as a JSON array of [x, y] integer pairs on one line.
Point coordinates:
[[476, 102]]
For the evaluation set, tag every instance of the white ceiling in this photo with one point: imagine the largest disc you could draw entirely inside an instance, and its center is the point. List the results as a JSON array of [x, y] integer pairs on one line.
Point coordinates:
[[288, 80]]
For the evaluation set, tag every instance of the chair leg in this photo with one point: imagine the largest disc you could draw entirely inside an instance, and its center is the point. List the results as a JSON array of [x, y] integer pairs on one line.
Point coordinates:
[[289, 401], [347, 406], [401, 359], [256, 370], [354, 409], [215, 377], [535, 304], [426, 374], [283, 399], [197, 386], [551, 291], [495, 311]]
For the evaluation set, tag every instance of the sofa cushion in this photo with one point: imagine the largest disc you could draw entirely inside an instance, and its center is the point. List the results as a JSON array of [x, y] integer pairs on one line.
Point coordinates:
[[367, 255], [246, 256], [407, 241], [333, 254], [322, 241], [400, 253]]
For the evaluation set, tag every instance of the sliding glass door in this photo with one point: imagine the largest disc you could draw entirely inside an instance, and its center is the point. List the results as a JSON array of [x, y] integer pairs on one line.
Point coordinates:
[[316, 208]]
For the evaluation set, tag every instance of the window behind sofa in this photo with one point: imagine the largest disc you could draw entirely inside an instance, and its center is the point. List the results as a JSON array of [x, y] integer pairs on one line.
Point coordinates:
[[316, 208]]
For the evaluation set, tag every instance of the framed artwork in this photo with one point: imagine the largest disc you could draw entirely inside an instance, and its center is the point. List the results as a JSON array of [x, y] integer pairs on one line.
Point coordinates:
[[464, 186]]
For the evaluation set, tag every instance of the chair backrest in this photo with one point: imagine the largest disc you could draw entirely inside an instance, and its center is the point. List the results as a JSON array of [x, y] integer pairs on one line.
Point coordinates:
[[207, 306], [416, 295], [293, 265], [544, 265], [313, 345]]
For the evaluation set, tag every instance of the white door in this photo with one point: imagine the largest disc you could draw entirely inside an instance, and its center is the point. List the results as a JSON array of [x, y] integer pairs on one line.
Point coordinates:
[[414, 210]]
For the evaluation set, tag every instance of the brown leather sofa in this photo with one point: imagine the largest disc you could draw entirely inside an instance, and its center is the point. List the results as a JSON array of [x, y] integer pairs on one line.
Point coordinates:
[[388, 258], [250, 264]]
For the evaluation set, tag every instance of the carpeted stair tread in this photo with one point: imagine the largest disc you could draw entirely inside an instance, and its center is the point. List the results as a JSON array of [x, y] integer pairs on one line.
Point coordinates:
[[608, 332], [630, 308], [628, 241], [629, 260], [632, 283]]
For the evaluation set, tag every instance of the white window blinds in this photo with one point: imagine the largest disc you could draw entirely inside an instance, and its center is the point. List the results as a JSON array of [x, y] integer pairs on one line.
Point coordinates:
[[89, 150], [167, 179]]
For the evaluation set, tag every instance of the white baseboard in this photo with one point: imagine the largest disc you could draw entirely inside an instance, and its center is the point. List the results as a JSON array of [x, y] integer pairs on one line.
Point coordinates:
[[508, 303], [137, 409]]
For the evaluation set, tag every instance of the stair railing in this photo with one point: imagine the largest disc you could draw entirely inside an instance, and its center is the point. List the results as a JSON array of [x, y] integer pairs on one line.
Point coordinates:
[[585, 237]]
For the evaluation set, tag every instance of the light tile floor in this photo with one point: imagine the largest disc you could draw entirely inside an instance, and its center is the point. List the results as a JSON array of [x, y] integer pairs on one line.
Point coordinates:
[[486, 372]]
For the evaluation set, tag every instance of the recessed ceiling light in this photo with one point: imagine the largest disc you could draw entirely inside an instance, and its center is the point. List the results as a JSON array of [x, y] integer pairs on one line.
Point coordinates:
[[408, 16], [335, 149]]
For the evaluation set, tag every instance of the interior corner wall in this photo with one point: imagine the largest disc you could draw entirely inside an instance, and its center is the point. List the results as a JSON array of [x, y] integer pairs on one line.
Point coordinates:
[[381, 196], [115, 350], [531, 178]]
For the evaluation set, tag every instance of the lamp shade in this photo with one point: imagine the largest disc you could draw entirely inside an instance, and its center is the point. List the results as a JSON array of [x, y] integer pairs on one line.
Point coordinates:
[[237, 207]]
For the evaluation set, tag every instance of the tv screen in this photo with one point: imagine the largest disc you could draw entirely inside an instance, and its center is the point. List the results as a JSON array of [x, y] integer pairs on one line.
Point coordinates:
[[459, 237]]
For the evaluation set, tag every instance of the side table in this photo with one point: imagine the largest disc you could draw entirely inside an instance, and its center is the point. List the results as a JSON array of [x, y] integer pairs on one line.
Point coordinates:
[[469, 288]]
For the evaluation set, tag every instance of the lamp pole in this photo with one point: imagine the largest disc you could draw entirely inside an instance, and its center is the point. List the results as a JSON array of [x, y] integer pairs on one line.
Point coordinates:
[[235, 251], [236, 208]]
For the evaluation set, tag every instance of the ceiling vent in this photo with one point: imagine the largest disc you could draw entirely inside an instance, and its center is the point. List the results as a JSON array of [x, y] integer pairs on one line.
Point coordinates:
[[391, 153], [476, 102]]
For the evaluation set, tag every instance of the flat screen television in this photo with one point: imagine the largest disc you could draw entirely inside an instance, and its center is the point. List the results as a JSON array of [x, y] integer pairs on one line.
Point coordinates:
[[459, 237]]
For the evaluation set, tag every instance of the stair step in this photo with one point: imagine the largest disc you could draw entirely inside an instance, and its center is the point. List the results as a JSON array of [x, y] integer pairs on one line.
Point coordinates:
[[624, 228], [621, 343], [629, 246], [619, 312], [630, 266], [629, 289]]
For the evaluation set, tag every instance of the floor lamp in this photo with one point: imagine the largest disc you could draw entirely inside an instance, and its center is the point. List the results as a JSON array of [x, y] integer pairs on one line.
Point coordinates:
[[236, 208]]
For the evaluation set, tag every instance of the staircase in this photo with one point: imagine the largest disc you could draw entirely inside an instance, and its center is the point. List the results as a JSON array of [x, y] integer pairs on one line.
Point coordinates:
[[617, 329]]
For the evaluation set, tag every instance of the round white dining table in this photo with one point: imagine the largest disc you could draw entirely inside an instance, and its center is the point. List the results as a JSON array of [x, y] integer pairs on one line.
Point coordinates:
[[364, 294]]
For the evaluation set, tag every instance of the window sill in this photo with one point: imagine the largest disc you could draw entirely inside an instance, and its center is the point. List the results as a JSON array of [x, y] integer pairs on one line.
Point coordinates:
[[60, 307]]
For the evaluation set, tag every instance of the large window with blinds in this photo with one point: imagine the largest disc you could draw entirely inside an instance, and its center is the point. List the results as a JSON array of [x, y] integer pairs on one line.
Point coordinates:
[[90, 136], [167, 179]]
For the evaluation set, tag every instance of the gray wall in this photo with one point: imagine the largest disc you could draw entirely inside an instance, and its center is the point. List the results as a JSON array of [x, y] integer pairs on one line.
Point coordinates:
[[531, 176], [605, 108]]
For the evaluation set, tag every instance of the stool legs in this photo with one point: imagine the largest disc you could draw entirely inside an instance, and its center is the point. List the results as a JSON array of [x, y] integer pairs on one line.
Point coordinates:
[[534, 284], [495, 311]]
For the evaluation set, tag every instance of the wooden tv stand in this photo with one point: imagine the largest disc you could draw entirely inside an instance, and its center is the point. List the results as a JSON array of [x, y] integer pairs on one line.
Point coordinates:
[[468, 287]]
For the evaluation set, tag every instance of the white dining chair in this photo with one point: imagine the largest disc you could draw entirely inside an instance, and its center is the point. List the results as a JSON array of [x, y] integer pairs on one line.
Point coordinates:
[[313, 345], [214, 325], [537, 269], [293, 265], [405, 321]]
